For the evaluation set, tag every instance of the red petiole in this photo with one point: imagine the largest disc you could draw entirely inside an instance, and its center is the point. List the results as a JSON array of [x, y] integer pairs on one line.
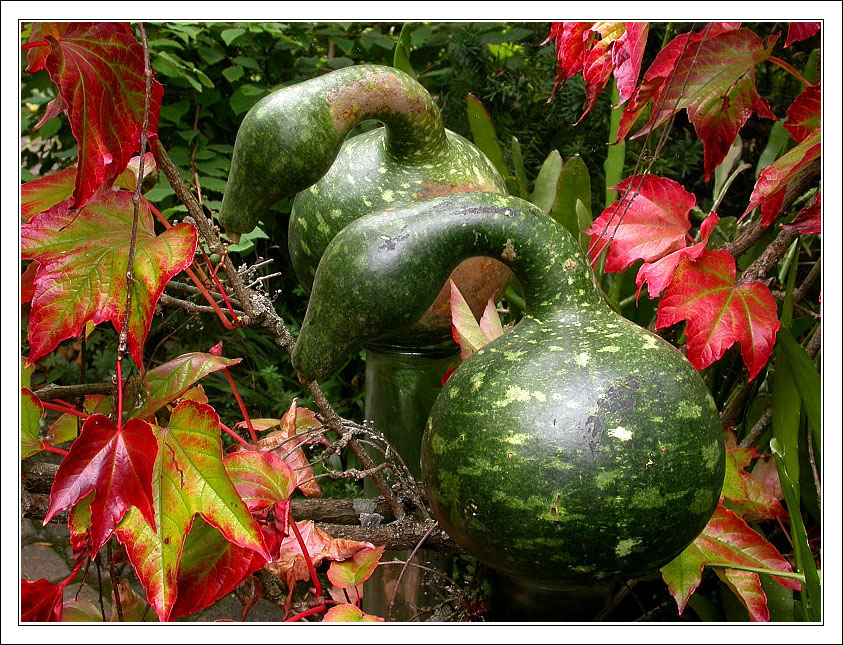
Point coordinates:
[[241, 404], [61, 408], [306, 555], [236, 436]]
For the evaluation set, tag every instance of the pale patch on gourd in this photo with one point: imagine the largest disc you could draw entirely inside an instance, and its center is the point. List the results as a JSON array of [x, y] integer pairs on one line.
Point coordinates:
[[615, 335], [322, 225], [582, 359], [513, 393], [650, 342], [591, 329], [624, 547], [539, 396], [620, 433], [688, 410], [517, 439], [648, 498], [388, 195], [438, 444], [609, 349], [382, 170], [350, 178], [711, 454], [477, 381], [555, 348], [571, 404], [702, 501]]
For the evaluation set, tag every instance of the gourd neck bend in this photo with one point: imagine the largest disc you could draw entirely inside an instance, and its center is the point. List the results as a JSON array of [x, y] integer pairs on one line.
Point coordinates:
[[290, 139], [384, 270]]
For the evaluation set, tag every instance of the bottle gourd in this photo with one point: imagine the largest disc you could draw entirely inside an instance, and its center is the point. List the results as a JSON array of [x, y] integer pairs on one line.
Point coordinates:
[[293, 142], [576, 448]]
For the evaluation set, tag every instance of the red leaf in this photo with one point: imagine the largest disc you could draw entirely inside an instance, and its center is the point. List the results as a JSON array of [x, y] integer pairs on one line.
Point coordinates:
[[797, 31], [658, 274], [571, 40], [598, 65], [41, 194], [41, 600], [719, 313], [261, 478], [98, 69], [114, 462], [82, 273], [27, 282], [773, 180], [803, 116], [809, 219], [712, 75], [627, 55], [744, 494], [210, 568], [645, 226], [727, 541]]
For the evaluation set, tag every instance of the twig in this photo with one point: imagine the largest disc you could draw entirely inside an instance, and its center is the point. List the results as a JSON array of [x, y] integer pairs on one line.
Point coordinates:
[[433, 527], [115, 587], [758, 428], [190, 307], [122, 345], [758, 269], [812, 458], [49, 392], [815, 343], [616, 600]]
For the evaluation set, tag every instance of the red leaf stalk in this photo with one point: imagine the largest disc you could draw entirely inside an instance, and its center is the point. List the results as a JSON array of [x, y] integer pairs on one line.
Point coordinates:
[[236, 436], [241, 404], [790, 68], [306, 555], [58, 451], [308, 612], [37, 43], [61, 408]]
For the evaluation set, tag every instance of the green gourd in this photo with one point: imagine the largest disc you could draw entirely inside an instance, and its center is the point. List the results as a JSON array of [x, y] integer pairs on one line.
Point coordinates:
[[574, 449], [293, 142]]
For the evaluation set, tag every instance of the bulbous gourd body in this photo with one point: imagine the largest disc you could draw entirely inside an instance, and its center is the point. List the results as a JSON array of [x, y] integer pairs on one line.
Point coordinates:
[[293, 142], [576, 447]]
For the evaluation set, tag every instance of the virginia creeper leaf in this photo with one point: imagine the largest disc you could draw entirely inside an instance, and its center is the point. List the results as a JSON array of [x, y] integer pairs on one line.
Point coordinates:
[[711, 75], [116, 462], [287, 442], [571, 40], [627, 54], [79, 527], [291, 566], [797, 31], [82, 273], [98, 69], [490, 322], [41, 600], [261, 478], [727, 541], [210, 568], [643, 226], [41, 194], [658, 274], [188, 479], [169, 381], [719, 313], [356, 570], [597, 64], [742, 492], [346, 613], [773, 180], [31, 412], [804, 114], [467, 332], [809, 219]]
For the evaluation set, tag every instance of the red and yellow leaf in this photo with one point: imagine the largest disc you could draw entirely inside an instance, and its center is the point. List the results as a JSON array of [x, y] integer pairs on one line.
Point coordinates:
[[82, 273], [116, 462], [287, 442], [804, 115], [773, 180], [261, 478], [719, 313], [468, 334], [41, 600], [643, 226], [188, 479], [210, 568], [169, 381], [356, 570], [98, 69], [31, 412], [727, 541], [41, 194], [712, 76], [346, 613], [658, 274], [742, 492]]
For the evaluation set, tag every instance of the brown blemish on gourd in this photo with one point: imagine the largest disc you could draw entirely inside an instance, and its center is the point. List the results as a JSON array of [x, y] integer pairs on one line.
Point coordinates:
[[372, 93], [430, 190], [508, 252], [569, 265]]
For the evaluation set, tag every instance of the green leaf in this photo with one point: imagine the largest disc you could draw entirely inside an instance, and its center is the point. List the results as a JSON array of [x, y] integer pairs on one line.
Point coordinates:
[[203, 78], [401, 58], [776, 143], [786, 405], [31, 412], [247, 240], [169, 381], [210, 55], [544, 191], [25, 373], [804, 374], [584, 220], [245, 96], [484, 135], [233, 73], [346, 613], [230, 35], [518, 165], [811, 595], [574, 186]]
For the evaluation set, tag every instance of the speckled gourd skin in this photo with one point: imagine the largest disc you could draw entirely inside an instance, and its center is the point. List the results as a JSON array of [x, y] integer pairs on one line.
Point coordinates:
[[293, 142], [574, 449]]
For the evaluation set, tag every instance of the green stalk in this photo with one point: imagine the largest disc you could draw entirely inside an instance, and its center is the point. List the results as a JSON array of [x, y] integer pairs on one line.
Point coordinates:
[[613, 166], [770, 572]]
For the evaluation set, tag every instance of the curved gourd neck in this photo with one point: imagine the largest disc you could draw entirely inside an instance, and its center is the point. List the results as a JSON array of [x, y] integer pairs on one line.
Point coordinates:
[[384, 270], [290, 139]]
